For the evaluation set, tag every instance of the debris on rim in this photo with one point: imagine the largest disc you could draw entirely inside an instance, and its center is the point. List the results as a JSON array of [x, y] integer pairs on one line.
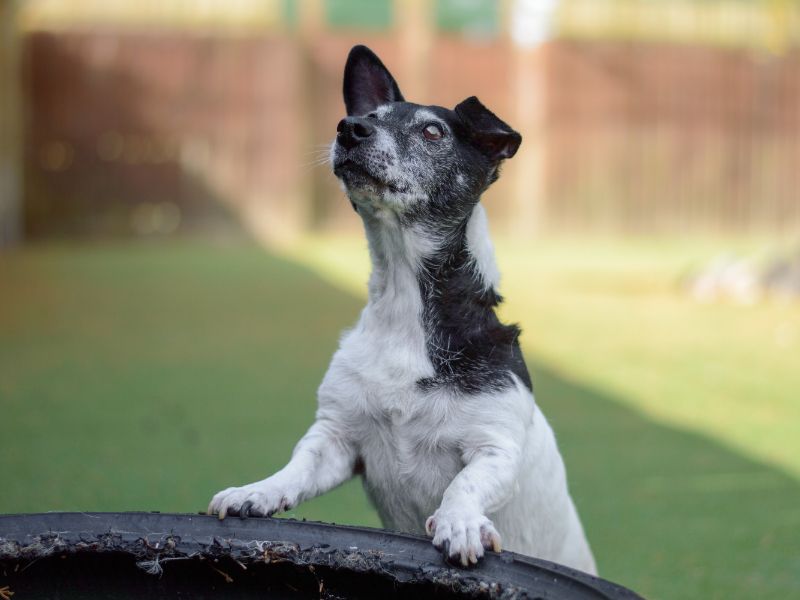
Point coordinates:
[[296, 558]]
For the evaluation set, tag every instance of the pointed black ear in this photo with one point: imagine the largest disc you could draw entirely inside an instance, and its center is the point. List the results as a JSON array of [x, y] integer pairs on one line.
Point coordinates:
[[487, 132], [367, 83]]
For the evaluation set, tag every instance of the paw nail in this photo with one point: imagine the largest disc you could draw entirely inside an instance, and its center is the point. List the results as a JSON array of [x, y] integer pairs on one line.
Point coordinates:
[[430, 526]]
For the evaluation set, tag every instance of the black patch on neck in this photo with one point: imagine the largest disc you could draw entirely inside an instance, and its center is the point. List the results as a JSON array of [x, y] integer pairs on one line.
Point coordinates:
[[471, 350]]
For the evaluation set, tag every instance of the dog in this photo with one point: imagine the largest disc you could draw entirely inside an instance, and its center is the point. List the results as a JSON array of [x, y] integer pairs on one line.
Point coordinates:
[[428, 397]]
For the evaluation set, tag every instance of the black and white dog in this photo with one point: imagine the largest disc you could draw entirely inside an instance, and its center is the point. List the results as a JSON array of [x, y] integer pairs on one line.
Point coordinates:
[[428, 397]]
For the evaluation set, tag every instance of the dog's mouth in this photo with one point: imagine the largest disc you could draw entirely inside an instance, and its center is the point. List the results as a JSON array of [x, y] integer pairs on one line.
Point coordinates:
[[356, 175]]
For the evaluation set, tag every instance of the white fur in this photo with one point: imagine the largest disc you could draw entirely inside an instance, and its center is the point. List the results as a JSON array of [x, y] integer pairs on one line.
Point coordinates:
[[383, 110], [468, 469], [424, 115], [481, 248]]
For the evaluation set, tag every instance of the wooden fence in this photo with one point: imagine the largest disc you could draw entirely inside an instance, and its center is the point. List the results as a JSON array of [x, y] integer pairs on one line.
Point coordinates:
[[10, 128], [625, 136]]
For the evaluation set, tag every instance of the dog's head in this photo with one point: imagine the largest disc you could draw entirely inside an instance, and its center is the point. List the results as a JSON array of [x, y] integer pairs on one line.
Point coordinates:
[[413, 160]]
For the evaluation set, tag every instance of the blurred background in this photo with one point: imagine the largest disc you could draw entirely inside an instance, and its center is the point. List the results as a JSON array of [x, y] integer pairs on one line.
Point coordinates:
[[177, 260]]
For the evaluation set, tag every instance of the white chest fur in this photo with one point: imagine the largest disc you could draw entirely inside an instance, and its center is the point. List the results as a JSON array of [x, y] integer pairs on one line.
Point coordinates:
[[469, 468], [402, 433]]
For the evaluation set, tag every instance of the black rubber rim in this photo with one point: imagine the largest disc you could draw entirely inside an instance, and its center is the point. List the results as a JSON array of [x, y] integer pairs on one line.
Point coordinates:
[[156, 541]]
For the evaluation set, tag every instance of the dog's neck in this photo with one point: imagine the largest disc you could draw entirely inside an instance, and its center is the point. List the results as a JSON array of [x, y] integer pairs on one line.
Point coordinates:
[[401, 252], [434, 293]]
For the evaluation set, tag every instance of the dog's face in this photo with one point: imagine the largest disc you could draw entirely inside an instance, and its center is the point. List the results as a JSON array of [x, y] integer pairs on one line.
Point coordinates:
[[420, 162]]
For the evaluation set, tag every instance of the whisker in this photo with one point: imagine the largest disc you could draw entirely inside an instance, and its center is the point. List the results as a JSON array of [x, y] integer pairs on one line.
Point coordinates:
[[319, 148], [317, 154], [314, 164]]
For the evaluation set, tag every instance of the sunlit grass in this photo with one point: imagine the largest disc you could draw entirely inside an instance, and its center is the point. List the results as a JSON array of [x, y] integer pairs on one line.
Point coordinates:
[[615, 314], [148, 376], [669, 412]]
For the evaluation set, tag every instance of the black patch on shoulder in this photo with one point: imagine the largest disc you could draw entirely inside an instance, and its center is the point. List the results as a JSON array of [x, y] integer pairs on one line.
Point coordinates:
[[471, 350]]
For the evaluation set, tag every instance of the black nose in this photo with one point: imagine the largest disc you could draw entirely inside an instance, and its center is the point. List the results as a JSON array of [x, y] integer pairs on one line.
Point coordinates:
[[352, 131]]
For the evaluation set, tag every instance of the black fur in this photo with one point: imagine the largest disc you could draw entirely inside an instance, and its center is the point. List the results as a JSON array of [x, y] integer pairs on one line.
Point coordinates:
[[367, 83], [494, 137], [470, 349]]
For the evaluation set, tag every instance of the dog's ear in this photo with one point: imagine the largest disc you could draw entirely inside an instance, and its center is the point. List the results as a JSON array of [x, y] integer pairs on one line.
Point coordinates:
[[492, 136], [367, 83]]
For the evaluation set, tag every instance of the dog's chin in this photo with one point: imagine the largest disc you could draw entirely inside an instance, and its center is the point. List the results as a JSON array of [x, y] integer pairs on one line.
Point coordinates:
[[361, 186], [356, 178]]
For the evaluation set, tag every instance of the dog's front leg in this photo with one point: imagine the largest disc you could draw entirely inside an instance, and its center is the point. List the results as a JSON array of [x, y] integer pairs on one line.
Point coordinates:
[[322, 460], [460, 527]]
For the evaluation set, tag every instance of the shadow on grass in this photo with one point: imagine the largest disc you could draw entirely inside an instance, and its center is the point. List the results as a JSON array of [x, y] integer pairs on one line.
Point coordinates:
[[668, 512], [138, 377]]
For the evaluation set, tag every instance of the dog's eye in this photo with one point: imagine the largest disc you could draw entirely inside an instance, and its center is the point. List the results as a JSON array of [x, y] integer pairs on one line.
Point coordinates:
[[372, 115], [433, 132]]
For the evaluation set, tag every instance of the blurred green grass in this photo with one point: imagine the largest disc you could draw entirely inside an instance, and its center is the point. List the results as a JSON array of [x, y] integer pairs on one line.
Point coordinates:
[[138, 377], [147, 377]]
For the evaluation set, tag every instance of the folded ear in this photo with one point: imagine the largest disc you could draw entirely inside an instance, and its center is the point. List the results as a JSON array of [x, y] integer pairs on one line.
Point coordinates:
[[367, 83], [487, 132]]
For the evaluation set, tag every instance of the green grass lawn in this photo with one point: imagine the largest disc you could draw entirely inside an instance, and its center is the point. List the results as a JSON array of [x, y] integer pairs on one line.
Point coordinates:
[[147, 377]]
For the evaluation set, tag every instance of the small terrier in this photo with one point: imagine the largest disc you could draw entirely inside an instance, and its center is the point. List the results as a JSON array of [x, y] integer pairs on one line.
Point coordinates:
[[428, 398]]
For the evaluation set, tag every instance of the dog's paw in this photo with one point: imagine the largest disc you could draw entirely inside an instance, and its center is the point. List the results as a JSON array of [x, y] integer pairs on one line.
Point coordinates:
[[462, 536], [260, 499]]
